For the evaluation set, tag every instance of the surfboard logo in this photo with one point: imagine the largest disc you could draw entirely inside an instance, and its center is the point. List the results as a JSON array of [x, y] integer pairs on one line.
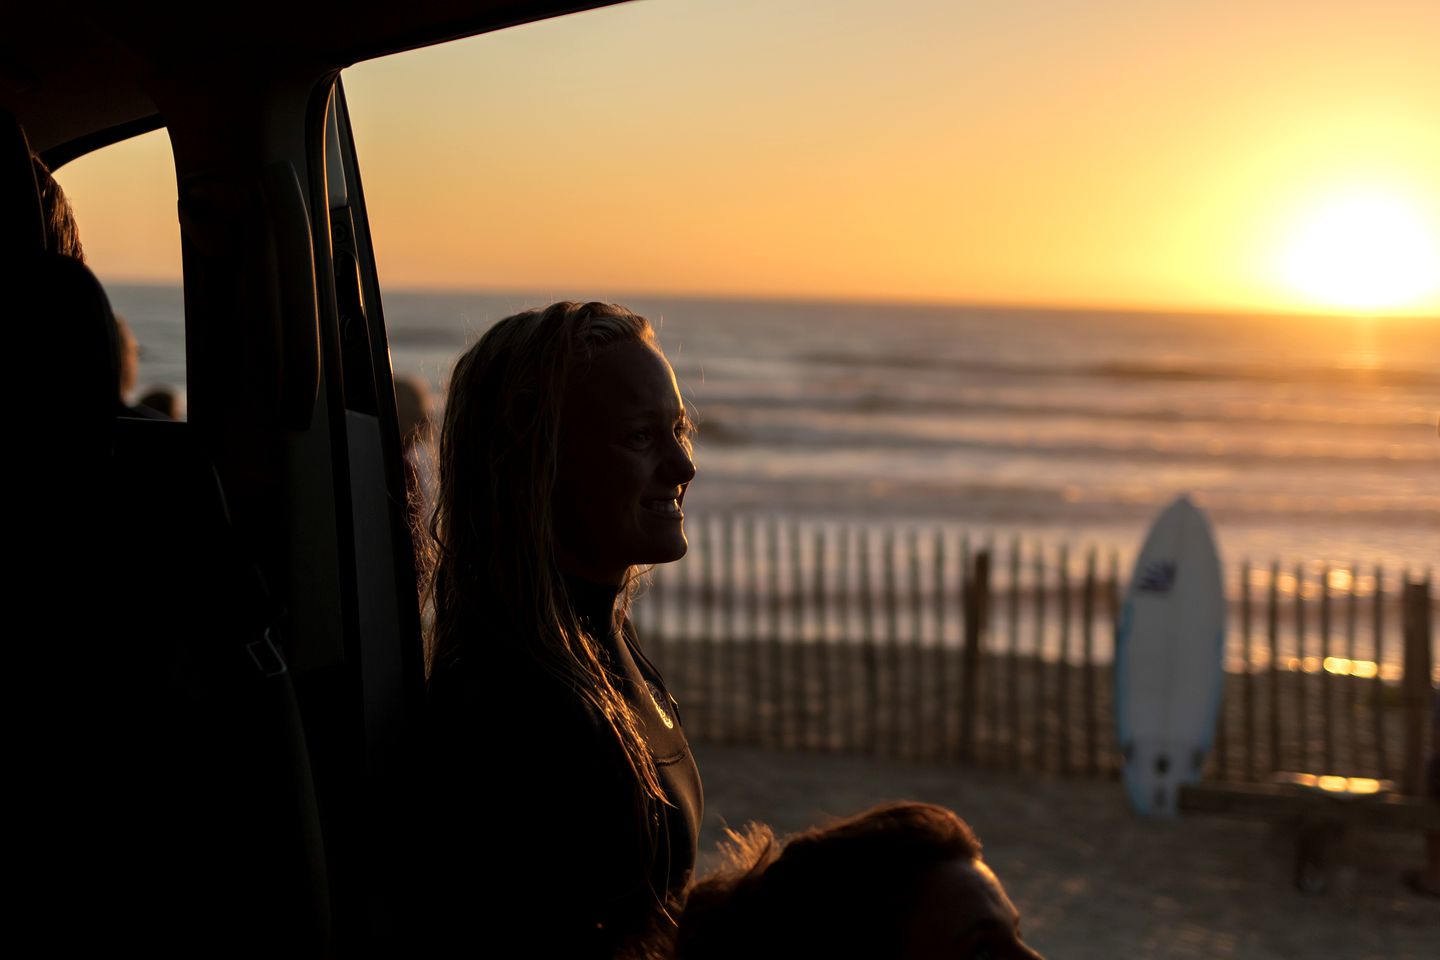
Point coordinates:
[[1157, 576]]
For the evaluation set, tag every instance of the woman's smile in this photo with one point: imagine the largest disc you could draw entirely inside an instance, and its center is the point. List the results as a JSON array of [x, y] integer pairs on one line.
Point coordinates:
[[668, 506]]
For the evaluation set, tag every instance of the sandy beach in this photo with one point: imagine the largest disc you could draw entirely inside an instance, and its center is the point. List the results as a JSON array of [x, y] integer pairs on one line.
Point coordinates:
[[1093, 881]]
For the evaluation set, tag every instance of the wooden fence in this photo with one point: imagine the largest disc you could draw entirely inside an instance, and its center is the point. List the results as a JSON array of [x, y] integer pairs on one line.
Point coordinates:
[[899, 643]]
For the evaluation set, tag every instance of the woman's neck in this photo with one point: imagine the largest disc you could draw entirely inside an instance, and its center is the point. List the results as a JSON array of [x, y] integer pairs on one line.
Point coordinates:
[[591, 601]]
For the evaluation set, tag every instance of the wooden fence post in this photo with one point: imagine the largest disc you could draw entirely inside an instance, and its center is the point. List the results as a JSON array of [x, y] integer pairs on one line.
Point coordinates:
[[723, 655], [1062, 659], [1248, 688], [1302, 719], [776, 641], [994, 749], [918, 739], [710, 644], [937, 664], [956, 674], [1041, 706], [849, 686], [680, 645], [736, 703], [1416, 688], [868, 647], [1272, 636], [654, 626], [1222, 727], [822, 641], [1382, 752], [976, 602], [892, 645], [754, 646], [1087, 620], [799, 647], [1113, 609], [1352, 685], [1327, 723], [1012, 670]]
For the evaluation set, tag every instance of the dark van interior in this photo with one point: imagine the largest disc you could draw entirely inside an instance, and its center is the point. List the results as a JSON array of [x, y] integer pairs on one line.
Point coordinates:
[[220, 649]]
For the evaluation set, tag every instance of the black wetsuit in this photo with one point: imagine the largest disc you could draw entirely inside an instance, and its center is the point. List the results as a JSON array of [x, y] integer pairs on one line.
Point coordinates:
[[550, 849]]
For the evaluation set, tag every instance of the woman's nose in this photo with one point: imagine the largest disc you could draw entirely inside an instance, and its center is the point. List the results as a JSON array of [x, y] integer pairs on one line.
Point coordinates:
[[681, 465]]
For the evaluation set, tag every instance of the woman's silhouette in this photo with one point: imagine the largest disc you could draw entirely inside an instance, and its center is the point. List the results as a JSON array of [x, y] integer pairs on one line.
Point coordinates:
[[565, 804]]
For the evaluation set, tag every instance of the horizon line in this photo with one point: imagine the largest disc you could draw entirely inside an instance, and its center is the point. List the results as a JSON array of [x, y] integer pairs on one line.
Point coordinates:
[[1075, 306]]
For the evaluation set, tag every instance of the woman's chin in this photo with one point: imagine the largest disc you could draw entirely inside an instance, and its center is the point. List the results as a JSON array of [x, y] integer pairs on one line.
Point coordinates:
[[672, 552]]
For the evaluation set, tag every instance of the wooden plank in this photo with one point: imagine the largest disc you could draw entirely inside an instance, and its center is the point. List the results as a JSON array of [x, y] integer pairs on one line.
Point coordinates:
[[1281, 803]]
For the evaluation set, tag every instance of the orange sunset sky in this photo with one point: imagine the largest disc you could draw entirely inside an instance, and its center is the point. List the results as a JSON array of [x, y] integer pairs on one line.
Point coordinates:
[[1258, 155]]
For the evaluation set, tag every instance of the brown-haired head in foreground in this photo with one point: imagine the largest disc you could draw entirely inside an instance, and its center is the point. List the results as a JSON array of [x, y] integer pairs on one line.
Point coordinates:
[[902, 881]]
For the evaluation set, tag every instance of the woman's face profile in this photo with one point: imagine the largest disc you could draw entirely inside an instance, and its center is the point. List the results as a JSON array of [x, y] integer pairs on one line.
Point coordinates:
[[624, 465], [963, 913]]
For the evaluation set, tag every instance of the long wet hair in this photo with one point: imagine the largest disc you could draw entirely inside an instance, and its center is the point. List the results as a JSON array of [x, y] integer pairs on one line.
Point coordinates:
[[496, 577]]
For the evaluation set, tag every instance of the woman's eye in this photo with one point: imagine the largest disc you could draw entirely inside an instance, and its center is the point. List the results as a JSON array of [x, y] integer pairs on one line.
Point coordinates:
[[638, 438]]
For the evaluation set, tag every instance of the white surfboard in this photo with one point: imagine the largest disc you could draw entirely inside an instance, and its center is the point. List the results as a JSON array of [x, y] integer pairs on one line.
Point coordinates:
[[1169, 659]]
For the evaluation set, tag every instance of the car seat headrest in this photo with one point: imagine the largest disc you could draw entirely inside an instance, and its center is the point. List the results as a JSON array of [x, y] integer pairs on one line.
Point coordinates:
[[22, 228], [69, 316], [55, 304]]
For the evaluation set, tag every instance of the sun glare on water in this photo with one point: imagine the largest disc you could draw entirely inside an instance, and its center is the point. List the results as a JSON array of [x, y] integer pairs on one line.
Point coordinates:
[[1364, 251]]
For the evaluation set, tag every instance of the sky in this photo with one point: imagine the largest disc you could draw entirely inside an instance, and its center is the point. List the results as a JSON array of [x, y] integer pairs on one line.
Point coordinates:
[[1261, 155]]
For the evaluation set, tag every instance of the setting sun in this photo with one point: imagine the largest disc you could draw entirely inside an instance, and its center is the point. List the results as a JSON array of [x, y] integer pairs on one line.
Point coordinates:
[[1364, 251]]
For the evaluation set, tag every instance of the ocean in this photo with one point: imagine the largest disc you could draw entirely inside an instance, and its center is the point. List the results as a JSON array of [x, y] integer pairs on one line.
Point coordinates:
[[1305, 439]]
